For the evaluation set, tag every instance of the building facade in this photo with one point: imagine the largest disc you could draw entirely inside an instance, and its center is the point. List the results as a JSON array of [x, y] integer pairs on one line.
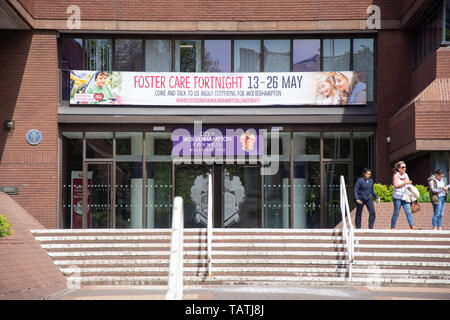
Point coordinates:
[[112, 165]]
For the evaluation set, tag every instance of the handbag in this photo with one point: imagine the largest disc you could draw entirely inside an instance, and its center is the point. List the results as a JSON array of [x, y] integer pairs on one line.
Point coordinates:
[[415, 206]]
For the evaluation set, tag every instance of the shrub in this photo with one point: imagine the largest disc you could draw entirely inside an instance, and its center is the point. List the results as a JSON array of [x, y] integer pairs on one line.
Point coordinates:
[[384, 192], [5, 227], [424, 194]]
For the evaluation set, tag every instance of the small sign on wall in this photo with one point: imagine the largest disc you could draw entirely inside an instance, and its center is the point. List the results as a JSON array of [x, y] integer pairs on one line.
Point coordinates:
[[34, 137], [9, 190]]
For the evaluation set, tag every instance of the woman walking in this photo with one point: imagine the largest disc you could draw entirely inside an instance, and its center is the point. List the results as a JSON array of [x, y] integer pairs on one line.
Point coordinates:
[[363, 191], [400, 181], [438, 191]]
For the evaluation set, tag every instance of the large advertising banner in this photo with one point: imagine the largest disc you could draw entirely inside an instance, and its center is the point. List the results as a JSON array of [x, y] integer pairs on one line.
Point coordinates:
[[217, 89], [77, 199]]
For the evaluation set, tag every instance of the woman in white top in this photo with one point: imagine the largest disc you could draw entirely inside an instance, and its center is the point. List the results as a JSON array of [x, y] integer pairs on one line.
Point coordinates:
[[400, 181], [438, 191]]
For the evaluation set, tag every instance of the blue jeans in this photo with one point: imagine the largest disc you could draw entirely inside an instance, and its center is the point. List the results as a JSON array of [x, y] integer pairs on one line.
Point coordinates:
[[407, 207], [438, 212]]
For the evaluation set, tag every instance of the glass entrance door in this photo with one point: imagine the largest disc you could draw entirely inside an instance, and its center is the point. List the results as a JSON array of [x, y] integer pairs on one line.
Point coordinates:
[[241, 196], [191, 183], [236, 195], [331, 197], [100, 206]]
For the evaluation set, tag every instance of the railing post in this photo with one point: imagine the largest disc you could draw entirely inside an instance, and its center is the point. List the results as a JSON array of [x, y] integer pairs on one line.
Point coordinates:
[[209, 226], [175, 283], [349, 233]]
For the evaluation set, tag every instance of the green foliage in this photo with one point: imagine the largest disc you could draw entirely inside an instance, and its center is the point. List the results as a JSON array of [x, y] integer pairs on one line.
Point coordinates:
[[384, 192], [424, 194], [5, 227]]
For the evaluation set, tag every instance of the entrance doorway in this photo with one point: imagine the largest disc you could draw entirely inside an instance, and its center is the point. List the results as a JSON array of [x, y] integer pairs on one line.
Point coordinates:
[[331, 192], [100, 205], [236, 194]]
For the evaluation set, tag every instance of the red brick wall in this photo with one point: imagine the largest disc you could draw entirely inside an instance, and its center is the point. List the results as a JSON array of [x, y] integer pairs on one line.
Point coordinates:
[[402, 128], [384, 212], [393, 75], [216, 10], [443, 62], [28, 5], [29, 97]]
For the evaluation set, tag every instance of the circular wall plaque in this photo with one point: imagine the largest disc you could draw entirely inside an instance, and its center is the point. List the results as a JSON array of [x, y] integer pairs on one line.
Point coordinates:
[[34, 137]]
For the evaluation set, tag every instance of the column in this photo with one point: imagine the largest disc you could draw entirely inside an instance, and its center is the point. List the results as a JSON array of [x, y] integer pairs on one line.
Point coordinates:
[[299, 200], [136, 184], [150, 150]]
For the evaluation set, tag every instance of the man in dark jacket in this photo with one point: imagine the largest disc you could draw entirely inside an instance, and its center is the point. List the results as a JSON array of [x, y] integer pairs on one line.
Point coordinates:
[[363, 191]]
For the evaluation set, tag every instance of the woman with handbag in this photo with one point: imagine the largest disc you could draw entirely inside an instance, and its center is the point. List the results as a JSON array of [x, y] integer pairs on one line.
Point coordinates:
[[438, 191], [400, 181]]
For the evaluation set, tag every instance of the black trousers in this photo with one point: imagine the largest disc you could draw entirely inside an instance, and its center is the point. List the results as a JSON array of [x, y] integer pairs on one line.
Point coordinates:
[[359, 209]]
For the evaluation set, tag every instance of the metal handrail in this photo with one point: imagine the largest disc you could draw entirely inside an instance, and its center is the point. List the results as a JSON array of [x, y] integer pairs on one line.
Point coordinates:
[[209, 225], [175, 283], [347, 231]]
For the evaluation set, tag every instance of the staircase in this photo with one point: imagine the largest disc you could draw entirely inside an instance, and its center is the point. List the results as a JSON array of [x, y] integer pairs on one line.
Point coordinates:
[[248, 256]]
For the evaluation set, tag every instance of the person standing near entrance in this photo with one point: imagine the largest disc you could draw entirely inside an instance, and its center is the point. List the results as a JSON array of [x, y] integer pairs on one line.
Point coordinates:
[[363, 195], [400, 181], [438, 191]]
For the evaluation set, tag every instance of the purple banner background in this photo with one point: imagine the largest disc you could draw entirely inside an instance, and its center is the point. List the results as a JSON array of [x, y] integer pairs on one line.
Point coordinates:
[[217, 142]]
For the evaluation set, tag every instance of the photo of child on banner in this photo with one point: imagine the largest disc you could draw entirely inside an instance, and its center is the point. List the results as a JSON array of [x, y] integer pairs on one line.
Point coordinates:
[[340, 88], [94, 87]]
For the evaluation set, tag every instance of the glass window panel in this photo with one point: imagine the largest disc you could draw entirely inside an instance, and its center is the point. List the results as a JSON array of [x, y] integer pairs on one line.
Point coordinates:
[[336, 54], [363, 60], [336, 145], [247, 55], [72, 179], [158, 149], [306, 186], [217, 56], [277, 55], [277, 186], [128, 55], [99, 186], [71, 59], [188, 55], [447, 21], [306, 55], [158, 55], [129, 194], [362, 152], [129, 144], [98, 54], [99, 145]]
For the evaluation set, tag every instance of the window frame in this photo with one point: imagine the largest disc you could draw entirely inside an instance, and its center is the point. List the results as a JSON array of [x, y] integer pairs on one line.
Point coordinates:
[[260, 37]]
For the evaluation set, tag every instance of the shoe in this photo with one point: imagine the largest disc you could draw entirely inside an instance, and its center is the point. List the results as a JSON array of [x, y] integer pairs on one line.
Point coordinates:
[[415, 228], [393, 228]]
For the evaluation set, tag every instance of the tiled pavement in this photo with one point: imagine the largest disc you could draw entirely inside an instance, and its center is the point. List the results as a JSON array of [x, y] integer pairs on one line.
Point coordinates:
[[259, 293]]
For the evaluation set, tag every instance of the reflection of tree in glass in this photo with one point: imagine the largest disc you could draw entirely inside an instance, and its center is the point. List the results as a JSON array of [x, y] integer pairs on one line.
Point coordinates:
[[128, 55], [99, 54], [210, 64], [185, 177], [188, 56]]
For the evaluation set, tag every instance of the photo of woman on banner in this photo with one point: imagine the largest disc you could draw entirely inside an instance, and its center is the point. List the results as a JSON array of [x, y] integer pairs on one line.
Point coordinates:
[[351, 90]]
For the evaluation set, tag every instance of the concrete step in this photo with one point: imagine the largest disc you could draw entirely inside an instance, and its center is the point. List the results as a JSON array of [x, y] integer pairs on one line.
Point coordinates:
[[141, 256]]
